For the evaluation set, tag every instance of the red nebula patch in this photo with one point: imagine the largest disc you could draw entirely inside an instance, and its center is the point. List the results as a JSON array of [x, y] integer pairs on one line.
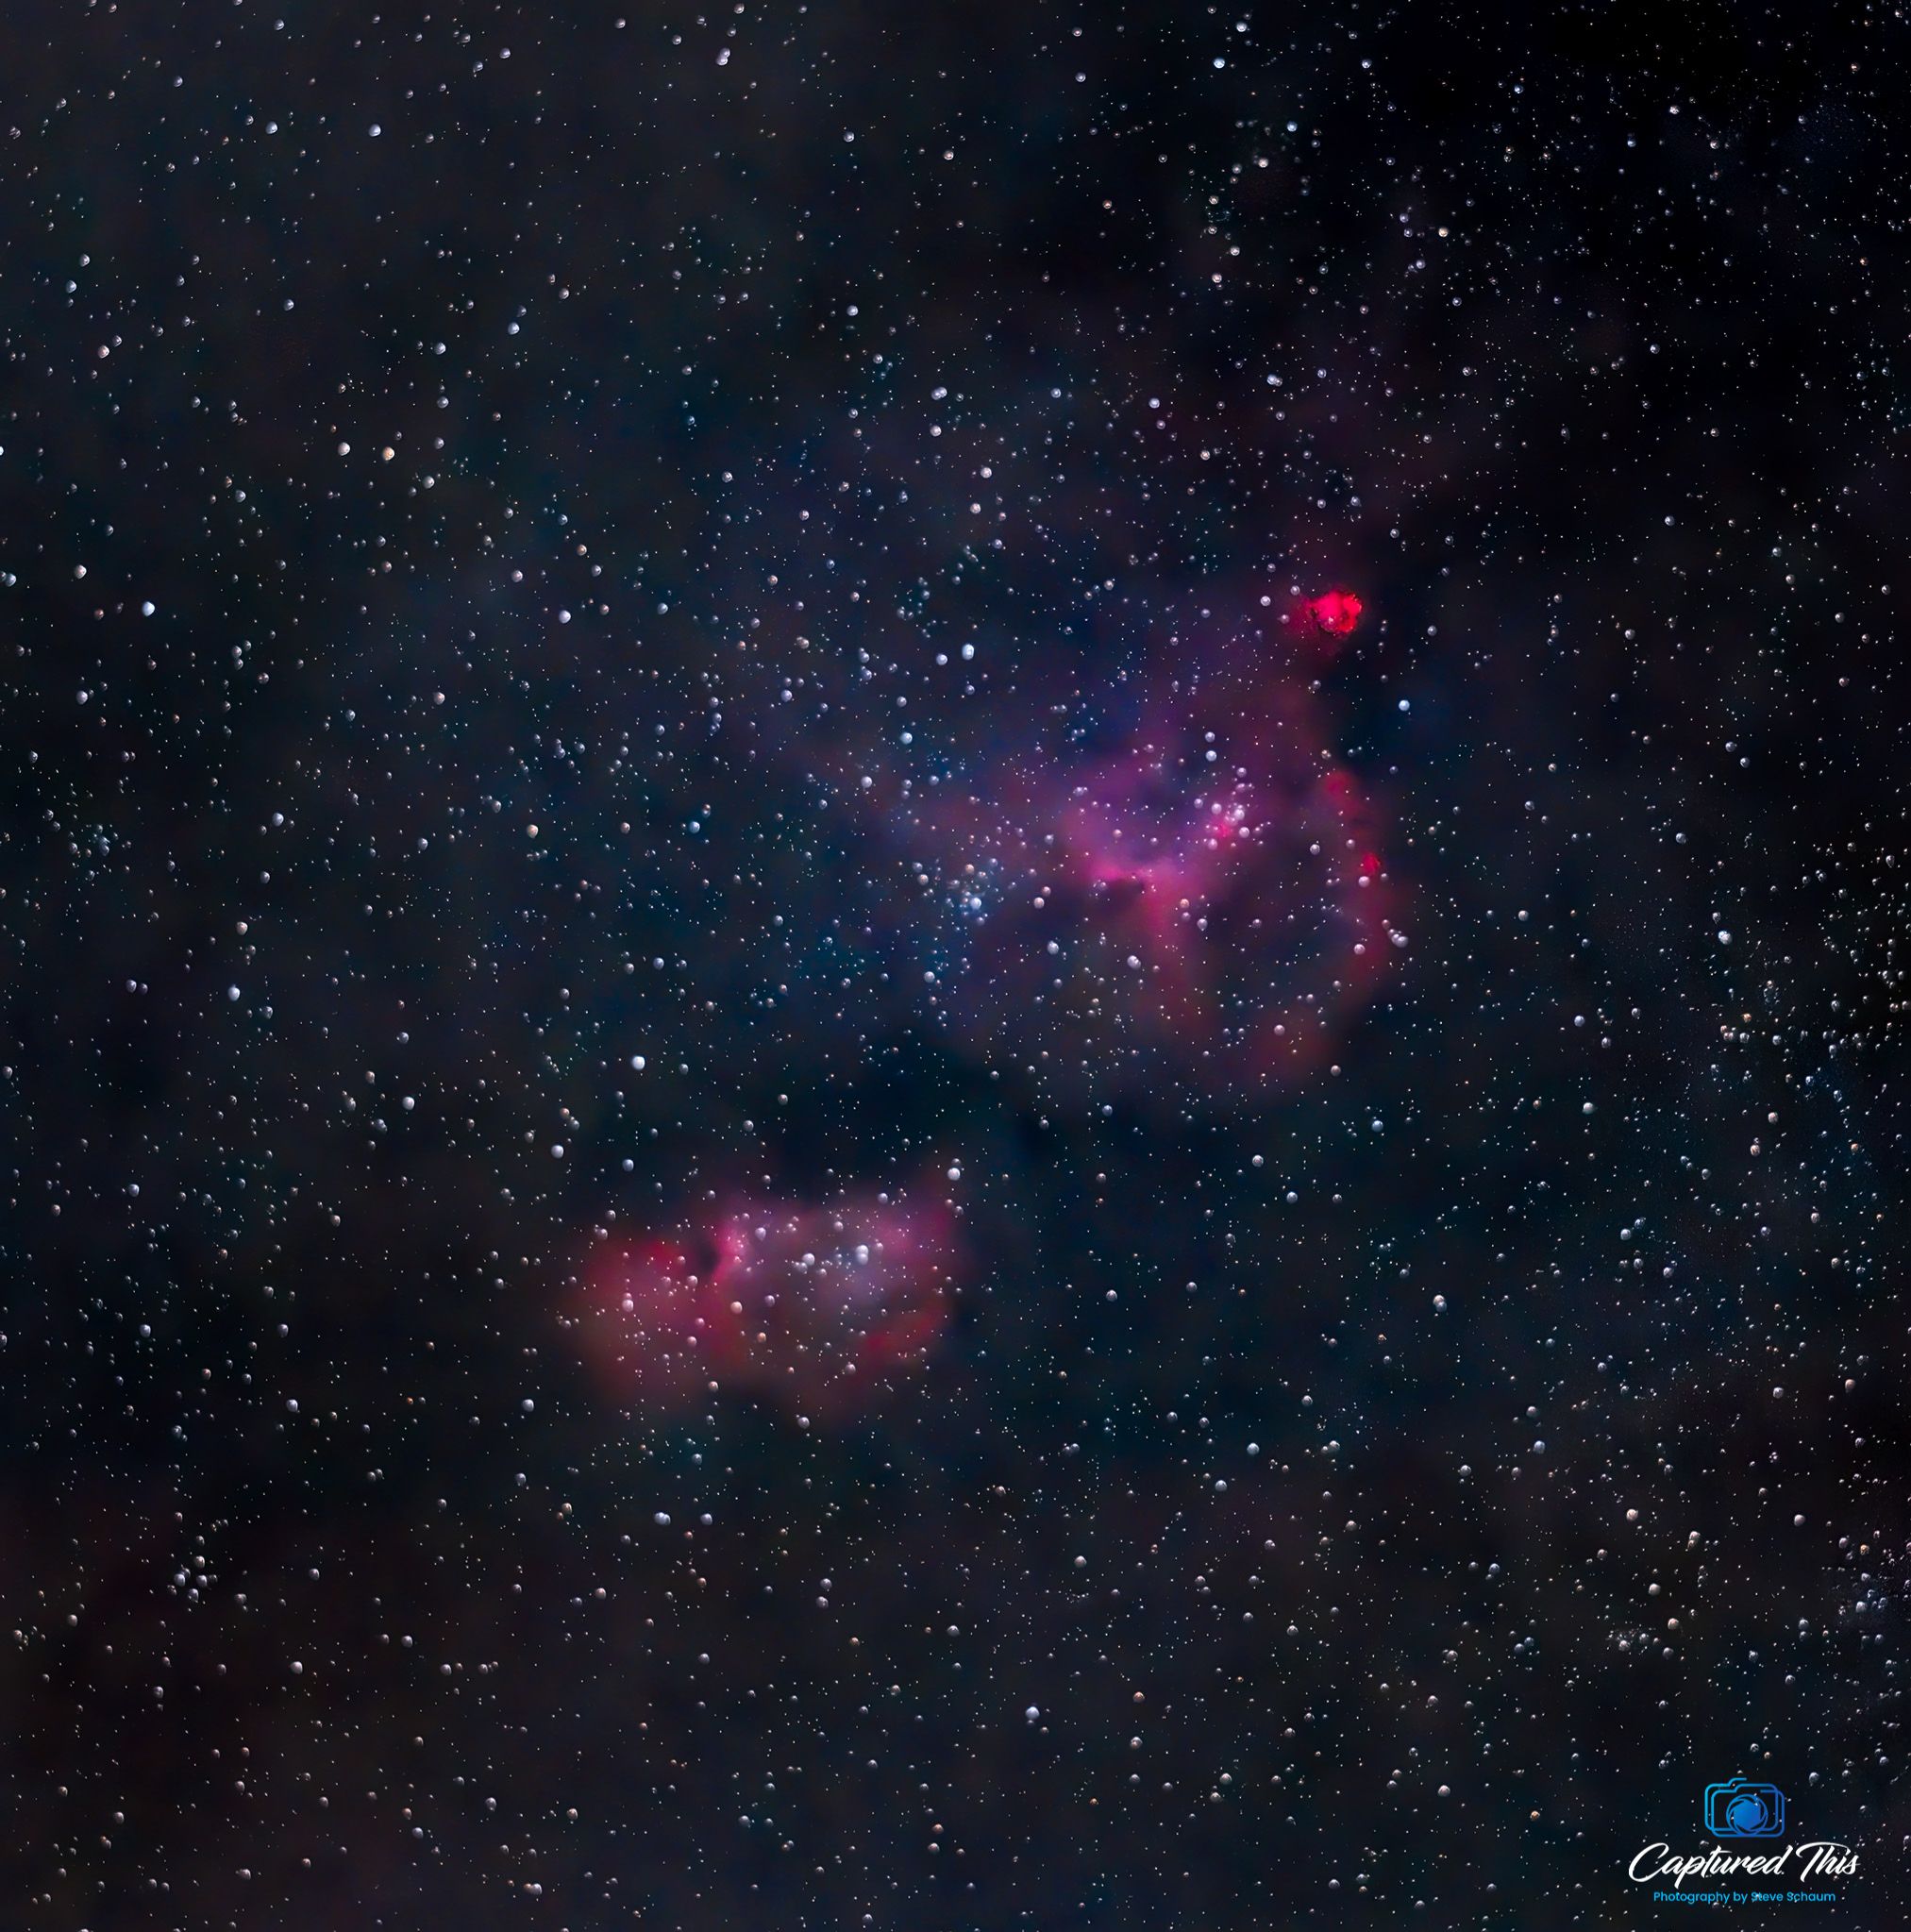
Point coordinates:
[[817, 1308], [1173, 895], [1197, 911], [1336, 612]]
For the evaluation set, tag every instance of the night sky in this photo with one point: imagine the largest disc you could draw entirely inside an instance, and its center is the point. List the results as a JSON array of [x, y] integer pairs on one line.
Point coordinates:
[[950, 961]]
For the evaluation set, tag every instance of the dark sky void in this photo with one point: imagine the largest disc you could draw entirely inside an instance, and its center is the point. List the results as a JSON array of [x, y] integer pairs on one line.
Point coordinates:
[[1150, 762]]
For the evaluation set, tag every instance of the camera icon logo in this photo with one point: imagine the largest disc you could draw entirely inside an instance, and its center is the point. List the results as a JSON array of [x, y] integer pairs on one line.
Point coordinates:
[[1739, 1808]]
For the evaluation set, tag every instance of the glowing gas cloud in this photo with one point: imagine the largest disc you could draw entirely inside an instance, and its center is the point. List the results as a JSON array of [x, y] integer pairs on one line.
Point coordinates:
[[1192, 905], [816, 1307]]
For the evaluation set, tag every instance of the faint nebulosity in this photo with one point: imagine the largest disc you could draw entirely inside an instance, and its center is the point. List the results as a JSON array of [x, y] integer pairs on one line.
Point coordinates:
[[951, 961]]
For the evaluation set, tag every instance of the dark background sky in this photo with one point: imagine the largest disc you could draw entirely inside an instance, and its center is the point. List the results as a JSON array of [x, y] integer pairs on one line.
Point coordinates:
[[420, 427]]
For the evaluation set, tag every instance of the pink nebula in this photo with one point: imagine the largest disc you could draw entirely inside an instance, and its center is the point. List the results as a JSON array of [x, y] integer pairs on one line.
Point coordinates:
[[817, 1308], [1336, 612], [1161, 888], [1189, 907], [1164, 923]]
